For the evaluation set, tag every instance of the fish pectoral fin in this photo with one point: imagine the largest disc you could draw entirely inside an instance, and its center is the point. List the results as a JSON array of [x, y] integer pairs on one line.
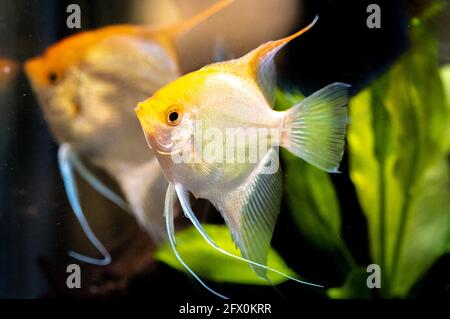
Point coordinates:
[[251, 211], [65, 156]]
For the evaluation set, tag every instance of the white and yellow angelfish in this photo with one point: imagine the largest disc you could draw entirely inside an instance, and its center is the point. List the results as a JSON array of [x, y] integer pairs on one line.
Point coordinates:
[[232, 95]]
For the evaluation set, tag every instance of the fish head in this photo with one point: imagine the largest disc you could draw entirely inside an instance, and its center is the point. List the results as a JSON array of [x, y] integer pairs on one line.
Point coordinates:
[[49, 69], [88, 89], [56, 81], [168, 117]]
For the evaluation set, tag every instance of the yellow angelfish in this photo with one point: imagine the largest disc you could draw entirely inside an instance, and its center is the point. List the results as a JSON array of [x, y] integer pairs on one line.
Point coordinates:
[[187, 124], [87, 86]]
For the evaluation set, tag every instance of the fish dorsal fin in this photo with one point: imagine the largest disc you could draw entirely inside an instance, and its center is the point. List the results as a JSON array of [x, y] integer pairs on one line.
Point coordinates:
[[251, 211], [261, 65], [178, 29]]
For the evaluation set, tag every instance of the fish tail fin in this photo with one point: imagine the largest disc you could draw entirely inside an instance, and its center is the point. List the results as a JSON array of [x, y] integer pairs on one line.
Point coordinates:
[[315, 128], [184, 26]]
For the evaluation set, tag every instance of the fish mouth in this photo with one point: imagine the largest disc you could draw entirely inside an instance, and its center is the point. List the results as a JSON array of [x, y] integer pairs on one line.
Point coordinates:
[[143, 116], [168, 153], [152, 130], [165, 146], [167, 141], [75, 107]]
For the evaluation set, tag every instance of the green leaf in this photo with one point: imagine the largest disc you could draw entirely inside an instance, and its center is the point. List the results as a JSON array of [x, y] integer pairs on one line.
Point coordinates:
[[311, 197], [355, 286], [398, 151], [212, 265], [445, 77], [427, 231]]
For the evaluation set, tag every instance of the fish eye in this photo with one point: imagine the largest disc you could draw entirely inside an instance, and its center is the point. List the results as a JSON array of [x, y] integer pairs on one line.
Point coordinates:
[[53, 77], [173, 116]]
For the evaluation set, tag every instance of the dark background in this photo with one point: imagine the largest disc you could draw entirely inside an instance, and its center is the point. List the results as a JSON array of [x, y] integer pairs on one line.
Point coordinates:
[[33, 206]]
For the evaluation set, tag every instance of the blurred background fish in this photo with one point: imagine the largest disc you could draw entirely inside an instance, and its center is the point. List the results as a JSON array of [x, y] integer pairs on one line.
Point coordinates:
[[88, 85]]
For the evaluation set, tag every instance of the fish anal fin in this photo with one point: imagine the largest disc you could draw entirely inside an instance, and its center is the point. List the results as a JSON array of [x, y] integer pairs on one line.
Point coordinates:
[[251, 212]]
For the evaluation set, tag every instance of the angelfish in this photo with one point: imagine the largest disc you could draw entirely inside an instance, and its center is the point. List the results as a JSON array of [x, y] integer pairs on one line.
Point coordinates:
[[238, 94], [88, 85]]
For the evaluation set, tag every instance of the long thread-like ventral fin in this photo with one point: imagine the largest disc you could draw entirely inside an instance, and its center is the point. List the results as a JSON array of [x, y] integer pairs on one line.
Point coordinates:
[[66, 169], [168, 214], [97, 184], [184, 200]]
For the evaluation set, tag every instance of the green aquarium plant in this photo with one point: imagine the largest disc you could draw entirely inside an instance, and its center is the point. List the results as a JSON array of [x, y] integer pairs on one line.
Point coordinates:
[[398, 152], [215, 266]]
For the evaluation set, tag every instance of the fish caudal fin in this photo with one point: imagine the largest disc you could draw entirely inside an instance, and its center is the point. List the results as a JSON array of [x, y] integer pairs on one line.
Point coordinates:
[[315, 128]]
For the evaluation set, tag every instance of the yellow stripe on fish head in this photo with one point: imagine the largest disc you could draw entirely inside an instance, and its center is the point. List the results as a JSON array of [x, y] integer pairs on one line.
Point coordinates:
[[167, 106], [172, 107]]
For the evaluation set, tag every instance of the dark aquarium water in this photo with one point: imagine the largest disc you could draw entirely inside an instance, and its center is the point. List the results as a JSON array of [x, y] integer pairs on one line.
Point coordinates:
[[82, 195]]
